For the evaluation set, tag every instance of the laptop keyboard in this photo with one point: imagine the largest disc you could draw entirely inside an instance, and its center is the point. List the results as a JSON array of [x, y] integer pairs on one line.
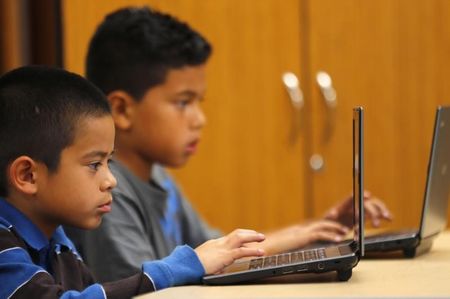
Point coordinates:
[[287, 258]]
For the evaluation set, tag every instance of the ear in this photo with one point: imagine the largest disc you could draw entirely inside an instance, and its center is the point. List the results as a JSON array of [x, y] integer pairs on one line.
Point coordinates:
[[23, 175], [122, 107]]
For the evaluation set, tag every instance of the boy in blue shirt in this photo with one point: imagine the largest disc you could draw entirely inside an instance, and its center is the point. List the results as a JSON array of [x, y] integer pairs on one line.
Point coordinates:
[[57, 138], [151, 66]]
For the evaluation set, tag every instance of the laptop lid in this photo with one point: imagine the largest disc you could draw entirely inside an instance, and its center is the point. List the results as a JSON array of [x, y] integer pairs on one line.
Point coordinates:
[[358, 178], [434, 211]]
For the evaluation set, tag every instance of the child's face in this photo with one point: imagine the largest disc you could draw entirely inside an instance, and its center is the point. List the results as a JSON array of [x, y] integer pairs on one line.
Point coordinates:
[[168, 120], [79, 192]]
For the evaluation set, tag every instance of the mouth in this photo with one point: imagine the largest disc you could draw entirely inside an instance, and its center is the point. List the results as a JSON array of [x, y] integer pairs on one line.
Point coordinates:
[[105, 208], [191, 148]]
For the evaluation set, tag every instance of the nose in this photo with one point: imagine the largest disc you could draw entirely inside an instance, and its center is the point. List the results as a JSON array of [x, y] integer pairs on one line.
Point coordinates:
[[199, 118], [109, 182]]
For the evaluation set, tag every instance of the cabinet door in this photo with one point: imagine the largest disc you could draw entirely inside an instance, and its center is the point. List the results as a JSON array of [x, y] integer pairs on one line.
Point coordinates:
[[249, 169], [393, 58]]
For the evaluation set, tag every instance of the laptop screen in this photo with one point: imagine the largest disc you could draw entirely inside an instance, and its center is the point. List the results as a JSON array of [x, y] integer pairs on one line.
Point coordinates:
[[434, 212], [358, 165]]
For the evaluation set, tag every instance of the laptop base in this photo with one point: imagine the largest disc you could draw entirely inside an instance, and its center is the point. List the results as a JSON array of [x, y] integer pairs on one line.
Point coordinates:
[[344, 275], [343, 266], [424, 246], [403, 240], [411, 246]]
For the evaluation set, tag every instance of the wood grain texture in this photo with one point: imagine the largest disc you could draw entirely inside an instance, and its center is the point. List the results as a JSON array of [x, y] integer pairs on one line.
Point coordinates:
[[391, 57], [11, 36]]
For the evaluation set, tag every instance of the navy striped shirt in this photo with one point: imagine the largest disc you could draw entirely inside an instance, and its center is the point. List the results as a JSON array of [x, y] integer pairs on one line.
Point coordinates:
[[31, 266]]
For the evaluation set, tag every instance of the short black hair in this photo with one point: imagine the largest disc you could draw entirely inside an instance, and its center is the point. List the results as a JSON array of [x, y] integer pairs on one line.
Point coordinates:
[[134, 48], [40, 109]]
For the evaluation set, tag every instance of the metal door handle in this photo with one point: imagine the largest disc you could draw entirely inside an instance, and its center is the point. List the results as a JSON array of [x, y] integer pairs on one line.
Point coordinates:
[[327, 89], [292, 85], [317, 161]]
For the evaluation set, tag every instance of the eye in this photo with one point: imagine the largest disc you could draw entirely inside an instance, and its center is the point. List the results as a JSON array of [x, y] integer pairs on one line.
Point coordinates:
[[95, 166], [182, 104]]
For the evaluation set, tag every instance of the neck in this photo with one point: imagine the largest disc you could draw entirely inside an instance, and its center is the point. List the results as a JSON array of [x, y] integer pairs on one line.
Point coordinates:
[[138, 166], [25, 204]]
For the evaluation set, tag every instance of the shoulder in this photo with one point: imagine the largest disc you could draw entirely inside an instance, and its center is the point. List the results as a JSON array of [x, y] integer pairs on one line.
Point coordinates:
[[8, 239], [16, 265], [4, 224], [159, 174], [127, 183]]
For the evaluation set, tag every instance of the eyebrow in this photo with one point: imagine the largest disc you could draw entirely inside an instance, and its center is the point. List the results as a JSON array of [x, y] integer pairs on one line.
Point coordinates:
[[95, 154], [186, 92], [189, 93]]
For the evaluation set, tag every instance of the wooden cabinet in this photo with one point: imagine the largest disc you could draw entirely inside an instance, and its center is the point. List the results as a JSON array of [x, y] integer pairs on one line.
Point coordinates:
[[393, 58], [253, 167]]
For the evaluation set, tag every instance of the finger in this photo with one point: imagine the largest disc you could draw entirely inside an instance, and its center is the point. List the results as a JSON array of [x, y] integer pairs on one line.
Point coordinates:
[[372, 213], [340, 208], [332, 214], [367, 194], [328, 236], [382, 208], [246, 251], [239, 237], [243, 231], [328, 225]]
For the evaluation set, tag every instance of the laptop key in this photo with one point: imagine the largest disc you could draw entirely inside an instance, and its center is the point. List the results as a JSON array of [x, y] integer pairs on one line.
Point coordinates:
[[256, 263], [295, 258], [283, 259], [321, 253], [270, 261], [310, 255]]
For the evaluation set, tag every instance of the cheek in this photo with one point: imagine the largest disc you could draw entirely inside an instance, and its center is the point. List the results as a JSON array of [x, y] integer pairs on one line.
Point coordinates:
[[77, 185]]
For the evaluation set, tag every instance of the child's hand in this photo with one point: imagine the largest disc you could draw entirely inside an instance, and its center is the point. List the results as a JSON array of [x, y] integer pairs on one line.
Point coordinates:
[[374, 208], [216, 254], [299, 235]]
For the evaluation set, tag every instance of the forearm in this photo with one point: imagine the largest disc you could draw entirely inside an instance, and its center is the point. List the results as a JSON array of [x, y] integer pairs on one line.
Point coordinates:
[[179, 268]]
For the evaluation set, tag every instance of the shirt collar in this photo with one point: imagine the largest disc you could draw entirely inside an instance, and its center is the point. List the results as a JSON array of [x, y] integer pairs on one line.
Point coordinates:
[[28, 231]]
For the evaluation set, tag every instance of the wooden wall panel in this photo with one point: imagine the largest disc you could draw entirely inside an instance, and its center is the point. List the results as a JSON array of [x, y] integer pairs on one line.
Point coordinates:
[[12, 52]]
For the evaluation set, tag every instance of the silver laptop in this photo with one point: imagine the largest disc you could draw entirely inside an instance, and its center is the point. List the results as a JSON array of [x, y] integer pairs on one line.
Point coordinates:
[[435, 201], [340, 258]]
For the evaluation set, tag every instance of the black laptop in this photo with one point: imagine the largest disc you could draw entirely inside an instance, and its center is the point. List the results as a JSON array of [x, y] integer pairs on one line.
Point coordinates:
[[434, 210], [340, 258]]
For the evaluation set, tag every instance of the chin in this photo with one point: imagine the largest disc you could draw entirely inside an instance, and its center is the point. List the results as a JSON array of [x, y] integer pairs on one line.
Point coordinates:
[[92, 224], [177, 164]]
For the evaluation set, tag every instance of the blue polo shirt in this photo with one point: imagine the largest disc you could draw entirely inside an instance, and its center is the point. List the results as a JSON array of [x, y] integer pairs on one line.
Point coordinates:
[[30, 258], [10, 217], [31, 264]]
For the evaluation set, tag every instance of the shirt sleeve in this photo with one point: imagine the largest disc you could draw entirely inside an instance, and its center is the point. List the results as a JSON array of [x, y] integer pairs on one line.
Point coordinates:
[[21, 278], [181, 267]]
